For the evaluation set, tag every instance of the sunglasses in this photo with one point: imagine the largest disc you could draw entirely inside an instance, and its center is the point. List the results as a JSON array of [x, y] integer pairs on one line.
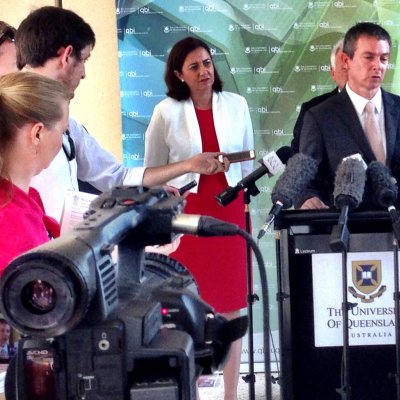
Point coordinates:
[[7, 34]]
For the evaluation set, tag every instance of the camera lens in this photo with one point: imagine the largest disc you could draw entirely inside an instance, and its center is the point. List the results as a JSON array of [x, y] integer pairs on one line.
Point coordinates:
[[39, 297], [43, 294]]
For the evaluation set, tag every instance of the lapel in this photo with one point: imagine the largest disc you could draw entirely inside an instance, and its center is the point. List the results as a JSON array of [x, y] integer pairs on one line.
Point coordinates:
[[222, 120], [391, 117], [349, 118], [193, 128]]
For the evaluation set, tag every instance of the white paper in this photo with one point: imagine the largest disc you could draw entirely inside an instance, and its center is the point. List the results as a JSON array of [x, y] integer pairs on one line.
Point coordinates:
[[75, 205]]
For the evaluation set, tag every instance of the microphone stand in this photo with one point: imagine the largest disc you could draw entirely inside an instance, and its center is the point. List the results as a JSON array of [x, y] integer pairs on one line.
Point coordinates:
[[249, 189], [250, 378], [396, 295], [339, 242]]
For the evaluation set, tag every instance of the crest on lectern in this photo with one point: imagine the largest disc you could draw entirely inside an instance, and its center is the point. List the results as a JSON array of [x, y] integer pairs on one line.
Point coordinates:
[[367, 279]]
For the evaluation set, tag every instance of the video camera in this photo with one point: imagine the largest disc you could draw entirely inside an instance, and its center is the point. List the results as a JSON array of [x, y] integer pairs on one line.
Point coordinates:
[[102, 319]]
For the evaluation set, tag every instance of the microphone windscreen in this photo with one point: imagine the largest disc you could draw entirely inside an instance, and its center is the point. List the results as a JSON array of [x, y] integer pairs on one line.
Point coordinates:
[[349, 183], [289, 188], [284, 153], [381, 185]]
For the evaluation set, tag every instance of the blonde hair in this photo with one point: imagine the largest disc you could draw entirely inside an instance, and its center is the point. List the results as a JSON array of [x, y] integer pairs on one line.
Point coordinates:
[[28, 97]]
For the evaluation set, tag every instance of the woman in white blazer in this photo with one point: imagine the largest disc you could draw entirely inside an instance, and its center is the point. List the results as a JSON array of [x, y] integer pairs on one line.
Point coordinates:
[[197, 116]]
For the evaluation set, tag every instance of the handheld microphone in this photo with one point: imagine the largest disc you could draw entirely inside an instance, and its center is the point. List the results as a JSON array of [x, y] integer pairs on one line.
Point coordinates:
[[383, 188], [348, 193], [289, 187], [271, 164]]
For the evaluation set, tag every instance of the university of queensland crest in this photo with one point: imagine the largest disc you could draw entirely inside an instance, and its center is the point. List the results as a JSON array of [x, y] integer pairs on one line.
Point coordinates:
[[367, 279]]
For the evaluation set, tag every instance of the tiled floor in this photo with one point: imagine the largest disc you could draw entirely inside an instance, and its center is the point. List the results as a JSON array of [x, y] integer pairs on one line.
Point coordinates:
[[217, 392]]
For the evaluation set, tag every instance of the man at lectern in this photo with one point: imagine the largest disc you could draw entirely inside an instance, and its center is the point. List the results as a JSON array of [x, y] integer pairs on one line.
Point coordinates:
[[363, 118]]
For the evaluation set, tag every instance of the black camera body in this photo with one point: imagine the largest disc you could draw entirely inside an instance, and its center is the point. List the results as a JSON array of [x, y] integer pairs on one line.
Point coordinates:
[[107, 362], [95, 328]]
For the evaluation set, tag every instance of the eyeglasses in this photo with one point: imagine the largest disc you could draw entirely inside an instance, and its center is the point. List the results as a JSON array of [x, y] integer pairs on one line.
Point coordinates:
[[7, 34], [68, 146]]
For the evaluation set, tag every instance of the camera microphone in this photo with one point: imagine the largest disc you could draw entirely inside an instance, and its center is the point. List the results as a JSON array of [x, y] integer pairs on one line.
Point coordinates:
[[289, 187], [271, 164], [201, 225]]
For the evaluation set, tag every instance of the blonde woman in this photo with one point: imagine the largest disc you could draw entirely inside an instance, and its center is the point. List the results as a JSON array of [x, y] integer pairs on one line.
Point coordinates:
[[33, 119]]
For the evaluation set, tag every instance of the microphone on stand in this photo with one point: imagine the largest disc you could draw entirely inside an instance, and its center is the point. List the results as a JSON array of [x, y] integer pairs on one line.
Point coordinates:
[[271, 164], [383, 189], [289, 187], [348, 193]]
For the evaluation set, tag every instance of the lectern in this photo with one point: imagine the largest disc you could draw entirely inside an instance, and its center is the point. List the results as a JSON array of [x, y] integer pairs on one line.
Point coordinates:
[[310, 370]]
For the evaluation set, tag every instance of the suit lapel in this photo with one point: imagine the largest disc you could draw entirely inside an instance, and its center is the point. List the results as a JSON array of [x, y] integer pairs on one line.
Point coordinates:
[[349, 118], [391, 118]]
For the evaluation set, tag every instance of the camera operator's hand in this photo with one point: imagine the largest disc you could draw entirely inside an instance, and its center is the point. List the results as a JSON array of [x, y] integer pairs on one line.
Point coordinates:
[[166, 249]]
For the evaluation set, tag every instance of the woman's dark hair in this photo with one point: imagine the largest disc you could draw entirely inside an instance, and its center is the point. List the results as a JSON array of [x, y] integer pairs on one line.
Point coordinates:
[[176, 89]]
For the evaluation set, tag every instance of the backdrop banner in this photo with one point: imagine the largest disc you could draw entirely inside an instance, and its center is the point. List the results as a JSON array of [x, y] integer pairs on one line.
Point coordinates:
[[275, 53]]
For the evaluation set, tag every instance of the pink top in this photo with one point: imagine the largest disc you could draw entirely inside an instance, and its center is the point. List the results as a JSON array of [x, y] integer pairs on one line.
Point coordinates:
[[23, 223]]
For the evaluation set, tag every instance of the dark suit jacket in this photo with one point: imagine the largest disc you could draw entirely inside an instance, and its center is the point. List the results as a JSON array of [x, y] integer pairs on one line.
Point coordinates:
[[332, 131], [11, 353], [295, 144]]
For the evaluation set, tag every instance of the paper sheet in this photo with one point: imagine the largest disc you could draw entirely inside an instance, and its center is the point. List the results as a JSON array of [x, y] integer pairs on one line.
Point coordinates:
[[75, 205]]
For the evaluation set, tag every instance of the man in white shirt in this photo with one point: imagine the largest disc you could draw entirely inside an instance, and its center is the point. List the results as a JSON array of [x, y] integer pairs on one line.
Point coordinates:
[[338, 73], [57, 43]]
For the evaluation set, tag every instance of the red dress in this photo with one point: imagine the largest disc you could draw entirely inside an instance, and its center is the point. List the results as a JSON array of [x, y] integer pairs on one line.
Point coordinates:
[[217, 263], [23, 223]]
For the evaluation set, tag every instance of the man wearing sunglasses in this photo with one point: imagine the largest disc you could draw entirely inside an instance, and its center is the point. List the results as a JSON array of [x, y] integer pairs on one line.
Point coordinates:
[[56, 42], [7, 49]]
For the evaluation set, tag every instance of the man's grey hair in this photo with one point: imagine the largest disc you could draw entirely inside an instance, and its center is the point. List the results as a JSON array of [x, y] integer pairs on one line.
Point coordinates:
[[335, 49]]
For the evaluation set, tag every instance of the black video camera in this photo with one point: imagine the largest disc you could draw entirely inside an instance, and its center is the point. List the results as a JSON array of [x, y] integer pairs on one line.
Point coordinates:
[[102, 319]]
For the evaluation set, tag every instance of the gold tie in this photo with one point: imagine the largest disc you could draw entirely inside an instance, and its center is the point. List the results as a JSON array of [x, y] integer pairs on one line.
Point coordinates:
[[373, 132]]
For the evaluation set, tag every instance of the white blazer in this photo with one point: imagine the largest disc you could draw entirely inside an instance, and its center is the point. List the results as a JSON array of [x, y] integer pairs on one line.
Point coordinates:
[[174, 134]]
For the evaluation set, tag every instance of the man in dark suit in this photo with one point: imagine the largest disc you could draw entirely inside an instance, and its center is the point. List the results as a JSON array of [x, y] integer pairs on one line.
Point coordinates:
[[337, 127], [338, 74], [7, 350]]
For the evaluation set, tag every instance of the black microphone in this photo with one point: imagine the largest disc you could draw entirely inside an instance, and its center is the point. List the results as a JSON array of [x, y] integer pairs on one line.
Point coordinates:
[[348, 193], [271, 164], [381, 184], [382, 187], [349, 183], [290, 186]]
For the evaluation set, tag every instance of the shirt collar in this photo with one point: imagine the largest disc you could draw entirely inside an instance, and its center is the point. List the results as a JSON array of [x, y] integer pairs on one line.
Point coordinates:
[[360, 102]]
